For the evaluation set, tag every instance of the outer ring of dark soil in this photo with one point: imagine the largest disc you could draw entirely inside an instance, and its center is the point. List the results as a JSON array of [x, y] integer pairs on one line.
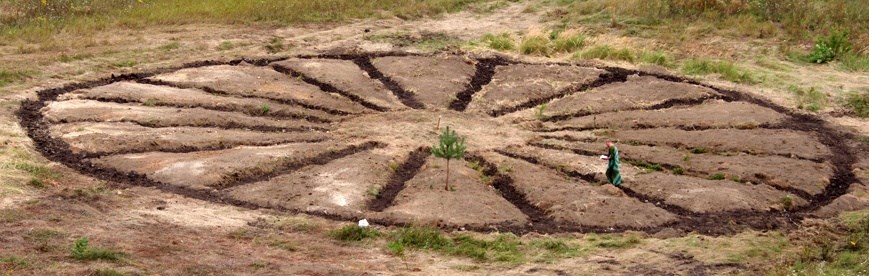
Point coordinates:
[[840, 143]]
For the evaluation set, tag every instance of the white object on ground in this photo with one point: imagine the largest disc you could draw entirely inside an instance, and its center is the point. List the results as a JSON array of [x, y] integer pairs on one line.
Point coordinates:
[[363, 223], [603, 157]]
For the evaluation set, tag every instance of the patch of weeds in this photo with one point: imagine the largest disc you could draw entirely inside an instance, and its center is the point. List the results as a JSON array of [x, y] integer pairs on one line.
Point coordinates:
[[539, 112], [106, 272], [735, 178], [174, 45], [811, 100], [11, 215], [258, 265], [417, 238], [9, 77], [264, 109], [787, 202], [225, 46], [297, 225], [36, 171], [648, 166], [151, 102], [124, 63], [699, 150], [717, 176], [275, 45], [829, 48], [858, 103], [393, 166], [656, 57], [475, 165], [504, 248], [678, 171], [283, 245], [726, 70], [352, 232], [43, 239], [82, 251], [12, 263], [568, 41], [500, 42], [535, 43], [67, 58], [606, 52], [503, 168], [613, 241], [92, 193], [855, 63], [36, 183], [374, 191]]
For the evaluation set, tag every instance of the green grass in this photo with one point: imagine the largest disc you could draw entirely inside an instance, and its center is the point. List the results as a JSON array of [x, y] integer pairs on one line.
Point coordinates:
[[855, 63], [33, 21], [503, 248], [225, 46], [726, 70], [171, 46], [106, 272], [656, 57], [9, 77], [811, 99], [648, 166], [352, 232], [717, 176], [82, 251], [12, 263], [36, 171], [606, 52], [274, 46], [613, 241], [568, 41], [844, 254], [858, 103], [535, 44], [830, 48], [500, 42]]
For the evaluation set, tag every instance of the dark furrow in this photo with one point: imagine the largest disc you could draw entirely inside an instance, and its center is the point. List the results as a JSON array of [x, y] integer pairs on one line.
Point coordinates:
[[189, 149], [221, 93], [670, 167], [590, 178], [404, 96], [485, 69], [227, 125], [328, 88], [504, 184], [250, 112], [664, 105], [681, 146], [648, 126], [288, 165], [405, 172], [604, 79]]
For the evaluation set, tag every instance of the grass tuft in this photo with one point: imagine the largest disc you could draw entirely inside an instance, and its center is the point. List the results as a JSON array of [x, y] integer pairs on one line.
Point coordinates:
[[81, 250], [9, 77], [352, 232], [535, 43], [568, 41], [500, 42], [811, 100], [606, 52], [726, 70], [717, 176], [858, 103]]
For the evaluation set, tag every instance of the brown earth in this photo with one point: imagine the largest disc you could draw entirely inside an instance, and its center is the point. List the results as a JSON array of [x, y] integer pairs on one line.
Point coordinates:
[[151, 95], [755, 141], [346, 76], [577, 202], [433, 80], [716, 114], [94, 111], [206, 169], [263, 82], [637, 93], [113, 138], [515, 84], [471, 201]]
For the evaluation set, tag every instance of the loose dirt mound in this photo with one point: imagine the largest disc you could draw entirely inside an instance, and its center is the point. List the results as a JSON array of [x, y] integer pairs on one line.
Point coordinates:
[[347, 137]]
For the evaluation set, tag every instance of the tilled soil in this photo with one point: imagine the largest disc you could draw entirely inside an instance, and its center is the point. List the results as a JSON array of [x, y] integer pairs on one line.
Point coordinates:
[[348, 137], [716, 114], [114, 138], [636, 93], [346, 76], [249, 81], [515, 84]]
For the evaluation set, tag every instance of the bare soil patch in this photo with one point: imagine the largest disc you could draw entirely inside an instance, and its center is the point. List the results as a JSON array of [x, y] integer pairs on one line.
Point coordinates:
[[433, 80]]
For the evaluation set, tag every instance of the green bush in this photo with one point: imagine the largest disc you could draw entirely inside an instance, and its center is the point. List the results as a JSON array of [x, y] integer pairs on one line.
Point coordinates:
[[828, 49], [353, 232], [82, 251]]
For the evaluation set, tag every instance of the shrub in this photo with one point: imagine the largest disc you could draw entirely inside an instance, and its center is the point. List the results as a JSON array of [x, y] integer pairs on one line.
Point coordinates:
[[829, 48], [353, 232], [500, 42]]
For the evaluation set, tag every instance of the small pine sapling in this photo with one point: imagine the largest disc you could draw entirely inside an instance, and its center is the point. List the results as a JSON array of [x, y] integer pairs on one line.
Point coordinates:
[[450, 146]]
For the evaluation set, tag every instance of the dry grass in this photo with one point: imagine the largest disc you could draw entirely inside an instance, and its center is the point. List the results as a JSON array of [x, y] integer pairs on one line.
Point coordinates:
[[33, 21]]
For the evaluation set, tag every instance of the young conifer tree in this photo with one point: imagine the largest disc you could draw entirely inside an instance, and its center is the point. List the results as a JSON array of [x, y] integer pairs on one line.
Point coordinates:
[[449, 146]]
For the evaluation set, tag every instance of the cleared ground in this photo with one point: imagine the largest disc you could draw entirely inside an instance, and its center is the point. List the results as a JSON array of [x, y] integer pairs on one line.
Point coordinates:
[[346, 137]]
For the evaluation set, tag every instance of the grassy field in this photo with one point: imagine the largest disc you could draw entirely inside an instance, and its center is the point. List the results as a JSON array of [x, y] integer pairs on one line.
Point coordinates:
[[39, 21]]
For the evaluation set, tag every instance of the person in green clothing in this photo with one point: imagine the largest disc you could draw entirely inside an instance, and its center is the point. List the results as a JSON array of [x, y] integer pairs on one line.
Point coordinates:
[[612, 169]]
